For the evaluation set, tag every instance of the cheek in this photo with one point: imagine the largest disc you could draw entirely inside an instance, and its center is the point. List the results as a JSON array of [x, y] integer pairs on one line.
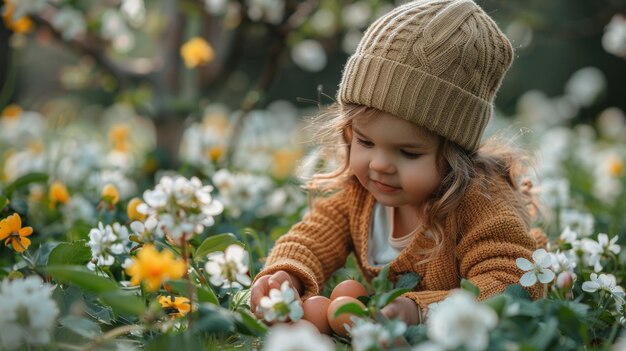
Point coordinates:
[[358, 161]]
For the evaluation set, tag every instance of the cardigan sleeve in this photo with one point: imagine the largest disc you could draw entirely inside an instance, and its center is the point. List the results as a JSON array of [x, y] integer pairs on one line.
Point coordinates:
[[492, 237], [315, 247]]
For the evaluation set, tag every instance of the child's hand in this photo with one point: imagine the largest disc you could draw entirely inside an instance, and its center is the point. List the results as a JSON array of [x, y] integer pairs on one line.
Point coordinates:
[[263, 286], [405, 308]]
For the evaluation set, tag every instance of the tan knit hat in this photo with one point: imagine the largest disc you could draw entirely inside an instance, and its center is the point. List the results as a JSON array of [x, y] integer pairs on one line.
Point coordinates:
[[436, 63]]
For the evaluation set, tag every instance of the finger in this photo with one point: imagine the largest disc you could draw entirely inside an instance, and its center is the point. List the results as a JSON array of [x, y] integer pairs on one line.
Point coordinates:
[[277, 279], [390, 311], [259, 289]]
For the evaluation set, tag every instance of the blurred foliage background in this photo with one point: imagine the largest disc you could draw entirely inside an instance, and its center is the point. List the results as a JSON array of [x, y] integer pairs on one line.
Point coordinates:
[[84, 54]]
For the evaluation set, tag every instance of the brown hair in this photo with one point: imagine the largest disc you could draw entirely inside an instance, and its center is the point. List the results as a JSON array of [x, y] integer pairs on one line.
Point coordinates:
[[496, 158]]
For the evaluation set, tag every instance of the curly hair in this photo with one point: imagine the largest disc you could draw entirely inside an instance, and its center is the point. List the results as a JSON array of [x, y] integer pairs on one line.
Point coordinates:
[[496, 158]]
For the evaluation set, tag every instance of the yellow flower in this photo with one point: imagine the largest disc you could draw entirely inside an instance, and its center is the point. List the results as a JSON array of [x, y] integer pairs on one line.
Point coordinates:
[[131, 210], [58, 194], [284, 162], [12, 111], [20, 25], [110, 194], [616, 167], [196, 52], [214, 153], [177, 308], [154, 267], [118, 136], [11, 230]]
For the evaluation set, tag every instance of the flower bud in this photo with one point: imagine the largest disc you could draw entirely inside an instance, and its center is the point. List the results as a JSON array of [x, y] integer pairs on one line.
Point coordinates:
[[565, 280], [132, 212], [110, 194], [58, 193]]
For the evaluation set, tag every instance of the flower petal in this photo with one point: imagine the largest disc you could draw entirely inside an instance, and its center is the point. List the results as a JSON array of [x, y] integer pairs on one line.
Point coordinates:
[[528, 279], [523, 264], [546, 276], [21, 244], [590, 287], [26, 231]]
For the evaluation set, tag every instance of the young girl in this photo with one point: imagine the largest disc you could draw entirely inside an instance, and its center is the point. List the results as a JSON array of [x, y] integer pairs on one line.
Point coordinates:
[[415, 192]]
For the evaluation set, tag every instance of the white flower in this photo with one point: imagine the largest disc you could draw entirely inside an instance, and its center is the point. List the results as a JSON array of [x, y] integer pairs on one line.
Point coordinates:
[[537, 270], [134, 11], [461, 321], [614, 38], [69, 22], [178, 207], [555, 191], [27, 312], [281, 304], [608, 246], [296, 337], [595, 251], [228, 268], [241, 192], [580, 222], [356, 15], [562, 262], [216, 7], [367, 335], [309, 55], [105, 241], [605, 282], [585, 85], [351, 41]]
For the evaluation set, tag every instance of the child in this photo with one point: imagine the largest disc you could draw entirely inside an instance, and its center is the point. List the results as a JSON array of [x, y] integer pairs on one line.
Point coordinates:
[[416, 191]]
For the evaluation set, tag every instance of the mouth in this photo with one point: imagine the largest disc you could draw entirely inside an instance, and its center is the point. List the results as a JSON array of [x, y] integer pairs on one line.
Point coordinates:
[[384, 187]]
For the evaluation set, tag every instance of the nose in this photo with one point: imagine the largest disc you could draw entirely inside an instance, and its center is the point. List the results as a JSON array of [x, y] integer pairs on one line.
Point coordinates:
[[380, 163]]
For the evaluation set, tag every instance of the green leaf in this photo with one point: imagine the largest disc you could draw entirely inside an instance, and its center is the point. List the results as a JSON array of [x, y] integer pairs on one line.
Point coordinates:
[[123, 303], [470, 287], [517, 291], [214, 243], [386, 297], [40, 256], [204, 294], [381, 283], [497, 303], [546, 334], [213, 319], [76, 253], [81, 326], [249, 325], [24, 180], [351, 308], [82, 277], [408, 281]]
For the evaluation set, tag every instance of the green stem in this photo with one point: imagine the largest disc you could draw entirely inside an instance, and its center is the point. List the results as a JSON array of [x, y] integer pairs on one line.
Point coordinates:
[[112, 334], [190, 286]]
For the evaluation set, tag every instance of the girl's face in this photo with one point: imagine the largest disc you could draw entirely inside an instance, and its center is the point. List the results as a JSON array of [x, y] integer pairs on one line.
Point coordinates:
[[394, 159]]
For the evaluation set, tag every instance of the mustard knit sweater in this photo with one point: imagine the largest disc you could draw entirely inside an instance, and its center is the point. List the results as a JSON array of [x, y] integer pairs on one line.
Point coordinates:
[[491, 235]]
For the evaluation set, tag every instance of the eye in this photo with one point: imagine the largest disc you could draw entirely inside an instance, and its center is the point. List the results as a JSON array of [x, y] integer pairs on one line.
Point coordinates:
[[410, 155], [364, 143]]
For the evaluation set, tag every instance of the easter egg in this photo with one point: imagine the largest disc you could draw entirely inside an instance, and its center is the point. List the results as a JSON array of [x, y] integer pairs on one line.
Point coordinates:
[[350, 288], [337, 323], [315, 309]]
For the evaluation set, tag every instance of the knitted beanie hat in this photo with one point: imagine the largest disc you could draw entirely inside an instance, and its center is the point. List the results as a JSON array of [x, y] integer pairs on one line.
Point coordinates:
[[436, 63]]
